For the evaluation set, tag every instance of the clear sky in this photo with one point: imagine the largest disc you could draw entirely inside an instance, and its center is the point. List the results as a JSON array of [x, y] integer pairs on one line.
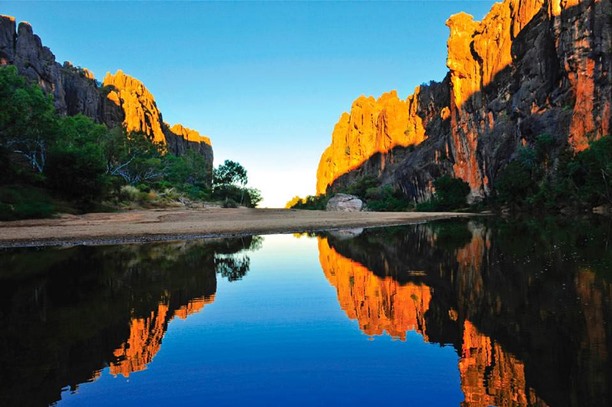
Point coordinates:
[[267, 80]]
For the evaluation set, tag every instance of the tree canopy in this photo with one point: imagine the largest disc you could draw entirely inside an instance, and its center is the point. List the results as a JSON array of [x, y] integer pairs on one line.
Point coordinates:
[[230, 173]]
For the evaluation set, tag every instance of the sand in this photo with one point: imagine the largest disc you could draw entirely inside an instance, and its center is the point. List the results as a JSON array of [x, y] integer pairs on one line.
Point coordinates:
[[180, 224]]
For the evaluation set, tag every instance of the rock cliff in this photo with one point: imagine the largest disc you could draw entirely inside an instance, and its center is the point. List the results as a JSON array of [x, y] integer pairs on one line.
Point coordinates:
[[120, 101], [530, 67], [373, 126]]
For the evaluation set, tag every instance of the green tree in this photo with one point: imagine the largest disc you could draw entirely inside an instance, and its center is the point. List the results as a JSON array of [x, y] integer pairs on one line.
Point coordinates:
[[385, 199], [230, 172], [78, 156], [519, 181], [189, 169], [229, 185], [591, 173], [451, 193], [253, 197], [28, 121], [134, 157]]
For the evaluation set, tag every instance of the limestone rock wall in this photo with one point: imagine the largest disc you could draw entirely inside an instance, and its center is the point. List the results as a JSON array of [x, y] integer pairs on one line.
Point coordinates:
[[137, 103], [180, 139], [372, 126], [530, 67], [121, 100]]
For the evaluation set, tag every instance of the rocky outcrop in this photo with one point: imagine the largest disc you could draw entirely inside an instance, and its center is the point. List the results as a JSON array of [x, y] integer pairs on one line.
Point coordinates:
[[140, 112], [180, 139], [530, 67], [373, 126], [7, 39], [120, 101], [344, 203]]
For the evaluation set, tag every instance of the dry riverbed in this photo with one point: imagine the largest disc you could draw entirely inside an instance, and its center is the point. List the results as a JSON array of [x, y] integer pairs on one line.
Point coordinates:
[[179, 224]]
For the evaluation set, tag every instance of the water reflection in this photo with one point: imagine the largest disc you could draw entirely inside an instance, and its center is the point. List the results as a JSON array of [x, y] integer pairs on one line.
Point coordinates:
[[378, 304], [68, 313], [527, 306]]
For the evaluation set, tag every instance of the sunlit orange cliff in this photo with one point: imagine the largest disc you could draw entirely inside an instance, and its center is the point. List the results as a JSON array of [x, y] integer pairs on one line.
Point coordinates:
[[529, 67], [120, 100]]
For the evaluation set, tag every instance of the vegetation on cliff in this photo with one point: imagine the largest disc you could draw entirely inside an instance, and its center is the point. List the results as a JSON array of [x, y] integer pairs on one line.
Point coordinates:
[[50, 162], [581, 180]]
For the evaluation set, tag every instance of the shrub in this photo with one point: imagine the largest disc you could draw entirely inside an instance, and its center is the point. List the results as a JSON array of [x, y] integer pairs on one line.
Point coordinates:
[[76, 175], [230, 203], [386, 199], [310, 202], [361, 185], [23, 202], [129, 193], [450, 194]]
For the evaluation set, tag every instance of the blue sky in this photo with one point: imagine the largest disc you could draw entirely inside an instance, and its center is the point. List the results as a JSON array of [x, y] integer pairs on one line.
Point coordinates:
[[266, 81]]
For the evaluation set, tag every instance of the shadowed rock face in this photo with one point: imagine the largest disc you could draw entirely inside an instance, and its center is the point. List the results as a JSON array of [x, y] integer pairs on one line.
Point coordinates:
[[121, 101], [528, 68]]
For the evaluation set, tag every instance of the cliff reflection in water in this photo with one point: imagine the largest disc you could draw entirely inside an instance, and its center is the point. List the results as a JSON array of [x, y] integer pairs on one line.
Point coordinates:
[[526, 306], [68, 313]]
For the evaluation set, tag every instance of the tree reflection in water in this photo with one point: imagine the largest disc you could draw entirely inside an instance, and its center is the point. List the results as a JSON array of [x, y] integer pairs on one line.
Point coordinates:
[[68, 313]]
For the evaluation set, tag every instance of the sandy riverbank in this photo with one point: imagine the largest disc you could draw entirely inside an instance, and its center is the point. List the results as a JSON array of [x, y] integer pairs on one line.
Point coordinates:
[[178, 224]]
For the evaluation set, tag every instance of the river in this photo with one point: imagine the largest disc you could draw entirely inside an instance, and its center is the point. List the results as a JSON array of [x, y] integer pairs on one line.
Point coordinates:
[[467, 313]]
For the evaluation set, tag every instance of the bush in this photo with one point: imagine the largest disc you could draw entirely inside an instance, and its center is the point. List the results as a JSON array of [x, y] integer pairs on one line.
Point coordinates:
[[129, 193], [450, 194], [310, 202], [24, 202], [76, 176], [230, 203], [386, 199], [581, 180], [361, 186]]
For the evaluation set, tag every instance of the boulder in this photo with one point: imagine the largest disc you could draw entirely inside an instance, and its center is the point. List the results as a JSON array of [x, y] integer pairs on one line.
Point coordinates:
[[344, 203]]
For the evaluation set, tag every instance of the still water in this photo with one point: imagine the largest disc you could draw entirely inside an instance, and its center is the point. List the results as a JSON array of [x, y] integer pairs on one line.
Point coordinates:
[[452, 313]]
